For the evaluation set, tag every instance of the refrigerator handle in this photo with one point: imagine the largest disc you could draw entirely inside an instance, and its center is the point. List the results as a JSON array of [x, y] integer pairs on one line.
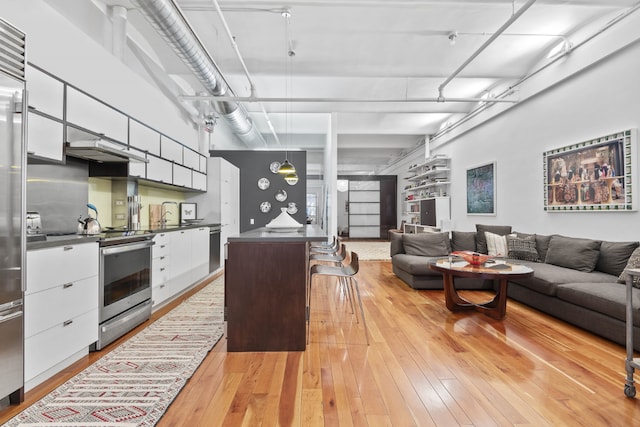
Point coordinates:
[[11, 316]]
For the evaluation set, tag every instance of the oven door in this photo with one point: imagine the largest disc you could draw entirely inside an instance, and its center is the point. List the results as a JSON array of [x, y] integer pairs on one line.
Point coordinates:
[[125, 277]]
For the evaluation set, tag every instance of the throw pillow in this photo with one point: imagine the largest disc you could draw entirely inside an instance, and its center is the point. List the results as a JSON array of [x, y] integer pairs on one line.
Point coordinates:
[[614, 256], [522, 248], [634, 262], [496, 244], [463, 241], [572, 252], [542, 243], [426, 244], [481, 241]]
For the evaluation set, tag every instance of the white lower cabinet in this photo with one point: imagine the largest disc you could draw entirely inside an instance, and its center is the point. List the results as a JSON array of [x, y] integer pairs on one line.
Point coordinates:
[[180, 258], [61, 308]]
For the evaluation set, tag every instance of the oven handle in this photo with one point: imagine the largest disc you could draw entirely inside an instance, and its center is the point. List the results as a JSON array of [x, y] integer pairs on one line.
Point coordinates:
[[126, 247]]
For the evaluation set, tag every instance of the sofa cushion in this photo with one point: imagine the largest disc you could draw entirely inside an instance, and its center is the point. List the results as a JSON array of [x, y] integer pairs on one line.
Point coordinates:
[[396, 246], [426, 244], [572, 252], [633, 262], [481, 240], [522, 248], [496, 244], [463, 240], [614, 256], [606, 298], [547, 277], [415, 265], [542, 243]]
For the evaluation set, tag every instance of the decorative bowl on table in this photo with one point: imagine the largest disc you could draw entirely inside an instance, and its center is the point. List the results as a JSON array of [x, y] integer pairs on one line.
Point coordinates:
[[473, 258]]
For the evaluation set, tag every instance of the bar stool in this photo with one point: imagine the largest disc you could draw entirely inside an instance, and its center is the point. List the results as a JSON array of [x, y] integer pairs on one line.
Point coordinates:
[[336, 259], [348, 273], [325, 245]]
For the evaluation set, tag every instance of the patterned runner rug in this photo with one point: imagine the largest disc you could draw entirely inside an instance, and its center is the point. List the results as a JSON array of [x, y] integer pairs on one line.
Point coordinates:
[[370, 251], [135, 383]]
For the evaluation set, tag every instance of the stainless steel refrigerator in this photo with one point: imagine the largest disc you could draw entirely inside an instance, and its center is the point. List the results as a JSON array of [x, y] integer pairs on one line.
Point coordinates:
[[12, 209]]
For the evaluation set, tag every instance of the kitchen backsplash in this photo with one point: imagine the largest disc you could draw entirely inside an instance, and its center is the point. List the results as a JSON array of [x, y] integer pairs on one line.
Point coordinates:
[[60, 193]]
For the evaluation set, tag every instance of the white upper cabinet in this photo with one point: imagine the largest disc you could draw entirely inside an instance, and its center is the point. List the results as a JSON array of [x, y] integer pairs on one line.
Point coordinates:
[[181, 176], [159, 170], [45, 137], [170, 150], [45, 94], [191, 159], [144, 138], [93, 115]]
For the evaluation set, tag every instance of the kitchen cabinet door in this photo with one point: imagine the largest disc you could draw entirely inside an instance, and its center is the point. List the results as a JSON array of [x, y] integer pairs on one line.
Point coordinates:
[[159, 170], [191, 159], [181, 176], [93, 115], [171, 150], [45, 93], [181, 255], [144, 138], [199, 181], [199, 253], [45, 137]]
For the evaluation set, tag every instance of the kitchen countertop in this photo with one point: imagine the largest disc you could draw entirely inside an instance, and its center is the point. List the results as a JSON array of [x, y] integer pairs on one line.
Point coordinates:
[[73, 239], [308, 233]]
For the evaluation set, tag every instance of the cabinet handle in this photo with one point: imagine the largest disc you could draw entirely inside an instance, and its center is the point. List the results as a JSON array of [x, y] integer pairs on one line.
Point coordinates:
[[161, 286], [67, 285], [67, 322], [162, 269], [162, 246], [68, 248]]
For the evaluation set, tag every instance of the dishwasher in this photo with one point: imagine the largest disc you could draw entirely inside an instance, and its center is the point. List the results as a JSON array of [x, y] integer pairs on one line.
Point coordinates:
[[214, 248]]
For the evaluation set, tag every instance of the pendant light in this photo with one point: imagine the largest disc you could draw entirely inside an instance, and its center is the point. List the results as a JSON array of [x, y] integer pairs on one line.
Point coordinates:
[[291, 178], [287, 168]]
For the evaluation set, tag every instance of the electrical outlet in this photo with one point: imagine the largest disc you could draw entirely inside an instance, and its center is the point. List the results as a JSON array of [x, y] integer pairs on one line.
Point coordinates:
[[251, 221]]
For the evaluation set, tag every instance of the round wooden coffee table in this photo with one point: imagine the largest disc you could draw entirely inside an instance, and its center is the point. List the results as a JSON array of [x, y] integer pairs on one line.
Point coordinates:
[[499, 270]]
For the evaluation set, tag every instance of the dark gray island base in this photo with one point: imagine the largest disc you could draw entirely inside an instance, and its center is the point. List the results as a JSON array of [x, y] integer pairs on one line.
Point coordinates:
[[265, 289]]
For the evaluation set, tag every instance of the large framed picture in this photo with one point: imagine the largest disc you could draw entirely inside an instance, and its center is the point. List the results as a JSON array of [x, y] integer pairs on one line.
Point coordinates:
[[481, 190], [591, 176]]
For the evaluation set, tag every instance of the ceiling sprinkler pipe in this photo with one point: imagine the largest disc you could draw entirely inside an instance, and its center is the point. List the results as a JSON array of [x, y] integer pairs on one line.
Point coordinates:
[[170, 23]]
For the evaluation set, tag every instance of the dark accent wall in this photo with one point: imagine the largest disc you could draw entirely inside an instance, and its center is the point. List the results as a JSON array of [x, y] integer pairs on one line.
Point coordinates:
[[388, 199], [254, 165]]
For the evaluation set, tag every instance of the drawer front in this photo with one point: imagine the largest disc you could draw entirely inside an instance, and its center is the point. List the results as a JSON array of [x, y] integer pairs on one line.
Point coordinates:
[[57, 305], [50, 267], [161, 293], [160, 270], [48, 348], [160, 249]]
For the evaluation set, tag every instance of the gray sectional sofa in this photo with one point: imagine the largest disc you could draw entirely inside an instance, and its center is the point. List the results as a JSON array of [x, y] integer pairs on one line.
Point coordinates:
[[576, 280]]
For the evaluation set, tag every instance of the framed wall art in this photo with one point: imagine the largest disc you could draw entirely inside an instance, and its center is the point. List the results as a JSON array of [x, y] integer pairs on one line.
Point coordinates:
[[591, 176], [481, 190]]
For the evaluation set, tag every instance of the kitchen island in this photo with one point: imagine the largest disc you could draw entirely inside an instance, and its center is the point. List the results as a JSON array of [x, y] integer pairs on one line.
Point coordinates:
[[265, 289]]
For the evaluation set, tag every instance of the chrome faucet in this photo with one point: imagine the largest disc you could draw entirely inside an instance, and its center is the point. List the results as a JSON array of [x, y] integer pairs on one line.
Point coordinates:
[[163, 219]]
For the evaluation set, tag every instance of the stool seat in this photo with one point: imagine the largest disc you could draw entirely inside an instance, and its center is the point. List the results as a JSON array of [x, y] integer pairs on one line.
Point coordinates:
[[346, 274]]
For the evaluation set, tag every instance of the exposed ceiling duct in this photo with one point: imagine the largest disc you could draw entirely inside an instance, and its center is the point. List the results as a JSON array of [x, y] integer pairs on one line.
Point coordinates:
[[168, 20]]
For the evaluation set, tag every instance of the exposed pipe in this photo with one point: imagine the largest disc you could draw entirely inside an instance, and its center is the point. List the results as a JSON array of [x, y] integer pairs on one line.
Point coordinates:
[[511, 88], [170, 23], [244, 67], [486, 44], [343, 100]]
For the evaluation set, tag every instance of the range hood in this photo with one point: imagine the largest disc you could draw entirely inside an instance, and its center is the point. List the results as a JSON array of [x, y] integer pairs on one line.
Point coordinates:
[[99, 150]]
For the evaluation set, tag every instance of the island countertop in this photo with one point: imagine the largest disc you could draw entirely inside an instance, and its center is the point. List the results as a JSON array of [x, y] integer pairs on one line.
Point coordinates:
[[308, 233]]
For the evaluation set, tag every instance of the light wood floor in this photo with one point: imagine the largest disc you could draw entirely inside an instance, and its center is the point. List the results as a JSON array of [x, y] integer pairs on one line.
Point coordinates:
[[425, 366]]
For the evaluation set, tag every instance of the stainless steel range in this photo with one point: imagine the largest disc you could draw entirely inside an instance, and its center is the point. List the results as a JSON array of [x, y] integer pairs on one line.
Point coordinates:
[[125, 283]]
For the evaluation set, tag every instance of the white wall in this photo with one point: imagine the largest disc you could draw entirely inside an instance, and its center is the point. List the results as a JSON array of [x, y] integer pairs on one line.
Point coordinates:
[[597, 100], [54, 44]]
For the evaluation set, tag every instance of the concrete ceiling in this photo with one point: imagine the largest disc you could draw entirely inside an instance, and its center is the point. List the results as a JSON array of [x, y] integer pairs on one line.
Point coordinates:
[[383, 54]]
